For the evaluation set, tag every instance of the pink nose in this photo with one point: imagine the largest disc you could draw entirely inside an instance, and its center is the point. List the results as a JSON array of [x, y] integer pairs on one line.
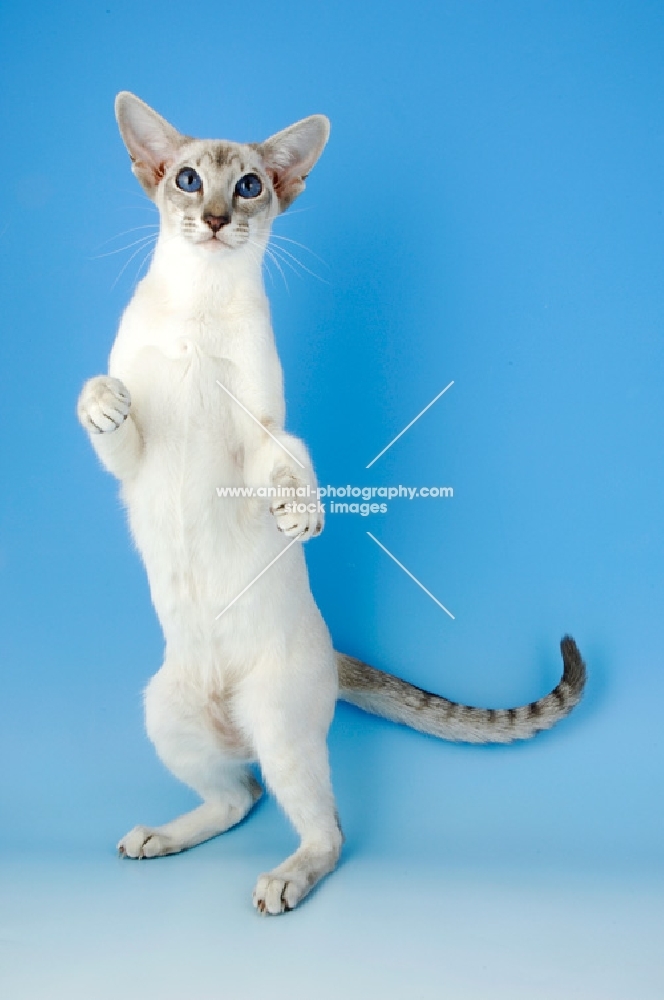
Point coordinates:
[[216, 222]]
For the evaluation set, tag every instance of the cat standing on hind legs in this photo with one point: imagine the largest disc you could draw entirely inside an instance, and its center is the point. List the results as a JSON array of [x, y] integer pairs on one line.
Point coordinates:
[[194, 399]]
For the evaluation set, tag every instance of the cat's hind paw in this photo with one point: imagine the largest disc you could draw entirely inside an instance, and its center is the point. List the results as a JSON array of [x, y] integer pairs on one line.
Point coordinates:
[[103, 405], [274, 895], [145, 842]]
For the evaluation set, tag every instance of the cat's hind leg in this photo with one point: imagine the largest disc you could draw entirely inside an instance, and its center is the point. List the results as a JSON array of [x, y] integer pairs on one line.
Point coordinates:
[[178, 723], [208, 820], [304, 792], [290, 725]]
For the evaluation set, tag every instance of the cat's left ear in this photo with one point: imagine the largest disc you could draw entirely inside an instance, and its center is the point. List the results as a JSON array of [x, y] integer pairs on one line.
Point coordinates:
[[290, 155], [152, 143]]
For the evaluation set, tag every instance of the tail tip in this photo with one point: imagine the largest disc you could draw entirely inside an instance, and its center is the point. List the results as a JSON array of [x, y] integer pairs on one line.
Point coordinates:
[[574, 669]]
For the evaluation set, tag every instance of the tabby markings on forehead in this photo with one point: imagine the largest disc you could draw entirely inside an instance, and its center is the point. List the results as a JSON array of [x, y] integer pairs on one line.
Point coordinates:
[[221, 156]]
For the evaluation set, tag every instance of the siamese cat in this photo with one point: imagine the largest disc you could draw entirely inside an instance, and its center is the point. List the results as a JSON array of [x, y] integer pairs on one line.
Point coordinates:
[[193, 398]]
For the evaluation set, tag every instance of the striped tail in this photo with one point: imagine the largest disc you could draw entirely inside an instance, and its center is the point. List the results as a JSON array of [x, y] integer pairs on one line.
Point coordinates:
[[388, 696]]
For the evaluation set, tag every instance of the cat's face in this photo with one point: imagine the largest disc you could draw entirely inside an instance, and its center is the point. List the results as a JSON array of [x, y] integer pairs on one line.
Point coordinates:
[[218, 195]]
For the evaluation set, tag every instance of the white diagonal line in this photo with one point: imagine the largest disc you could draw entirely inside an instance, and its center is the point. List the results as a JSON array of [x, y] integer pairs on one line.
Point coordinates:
[[257, 421], [408, 426], [278, 556], [408, 573]]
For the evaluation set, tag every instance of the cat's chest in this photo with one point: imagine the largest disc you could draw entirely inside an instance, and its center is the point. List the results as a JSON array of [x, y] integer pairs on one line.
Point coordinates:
[[197, 362], [180, 388]]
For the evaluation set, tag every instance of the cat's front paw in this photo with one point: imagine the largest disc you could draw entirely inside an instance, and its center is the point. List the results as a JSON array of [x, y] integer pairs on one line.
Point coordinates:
[[103, 404], [295, 514]]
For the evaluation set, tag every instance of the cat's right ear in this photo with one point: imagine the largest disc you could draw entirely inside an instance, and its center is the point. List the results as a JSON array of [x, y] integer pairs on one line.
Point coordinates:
[[152, 143]]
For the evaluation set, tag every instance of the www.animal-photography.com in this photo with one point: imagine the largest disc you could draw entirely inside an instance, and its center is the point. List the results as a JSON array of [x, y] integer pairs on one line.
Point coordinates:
[[331, 542]]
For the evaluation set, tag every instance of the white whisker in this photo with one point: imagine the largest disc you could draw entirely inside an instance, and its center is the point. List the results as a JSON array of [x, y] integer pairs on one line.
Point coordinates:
[[137, 194], [253, 247], [287, 239], [266, 253], [285, 261], [293, 211], [273, 258], [283, 250], [150, 225], [126, 265], [109, 253], [148, 257]]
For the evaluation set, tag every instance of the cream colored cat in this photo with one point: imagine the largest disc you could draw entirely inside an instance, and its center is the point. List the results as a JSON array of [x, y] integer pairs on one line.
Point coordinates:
[[258, 682]]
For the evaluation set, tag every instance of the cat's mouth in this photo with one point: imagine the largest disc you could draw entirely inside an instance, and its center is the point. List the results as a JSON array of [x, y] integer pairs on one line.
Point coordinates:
[[213, 241]]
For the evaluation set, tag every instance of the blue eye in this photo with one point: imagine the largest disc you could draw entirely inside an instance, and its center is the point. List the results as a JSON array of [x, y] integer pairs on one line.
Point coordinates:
[[249, 186], [188, 180]]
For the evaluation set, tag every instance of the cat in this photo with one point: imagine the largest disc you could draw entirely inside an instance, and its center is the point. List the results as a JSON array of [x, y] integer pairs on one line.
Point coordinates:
[[194, 398]]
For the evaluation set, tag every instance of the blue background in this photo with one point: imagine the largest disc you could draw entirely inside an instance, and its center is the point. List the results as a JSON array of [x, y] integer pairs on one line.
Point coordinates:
[[490, 210]]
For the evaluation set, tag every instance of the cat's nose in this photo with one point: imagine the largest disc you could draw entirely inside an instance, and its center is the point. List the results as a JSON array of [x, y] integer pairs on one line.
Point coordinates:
[[216, 222]]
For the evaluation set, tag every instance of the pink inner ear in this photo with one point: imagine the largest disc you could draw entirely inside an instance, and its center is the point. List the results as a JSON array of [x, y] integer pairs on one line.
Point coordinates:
[[155, 172], [149, 174], [274, 178]]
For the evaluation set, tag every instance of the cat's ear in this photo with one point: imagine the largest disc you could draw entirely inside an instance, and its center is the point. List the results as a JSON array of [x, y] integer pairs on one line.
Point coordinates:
[[290, 155], [152, 143]]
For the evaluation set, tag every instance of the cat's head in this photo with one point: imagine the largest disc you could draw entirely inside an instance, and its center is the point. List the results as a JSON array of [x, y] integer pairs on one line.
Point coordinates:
[[213, 193]]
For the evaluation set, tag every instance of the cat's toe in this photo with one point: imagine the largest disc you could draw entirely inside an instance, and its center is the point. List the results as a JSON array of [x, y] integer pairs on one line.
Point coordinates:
[[293, 521], [131, 845], [157, 846], [103, 404], [144, 842], [274, 895]]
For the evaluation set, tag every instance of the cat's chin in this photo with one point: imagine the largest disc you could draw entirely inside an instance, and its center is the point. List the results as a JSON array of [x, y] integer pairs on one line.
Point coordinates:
[[214, 245]]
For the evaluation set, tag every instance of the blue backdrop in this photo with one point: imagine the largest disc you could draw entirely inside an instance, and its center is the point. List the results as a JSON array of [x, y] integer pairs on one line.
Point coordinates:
[[489, 210]]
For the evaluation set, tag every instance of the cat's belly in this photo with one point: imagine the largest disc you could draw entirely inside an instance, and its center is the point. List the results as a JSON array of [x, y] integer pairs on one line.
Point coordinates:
[[200, 548]]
